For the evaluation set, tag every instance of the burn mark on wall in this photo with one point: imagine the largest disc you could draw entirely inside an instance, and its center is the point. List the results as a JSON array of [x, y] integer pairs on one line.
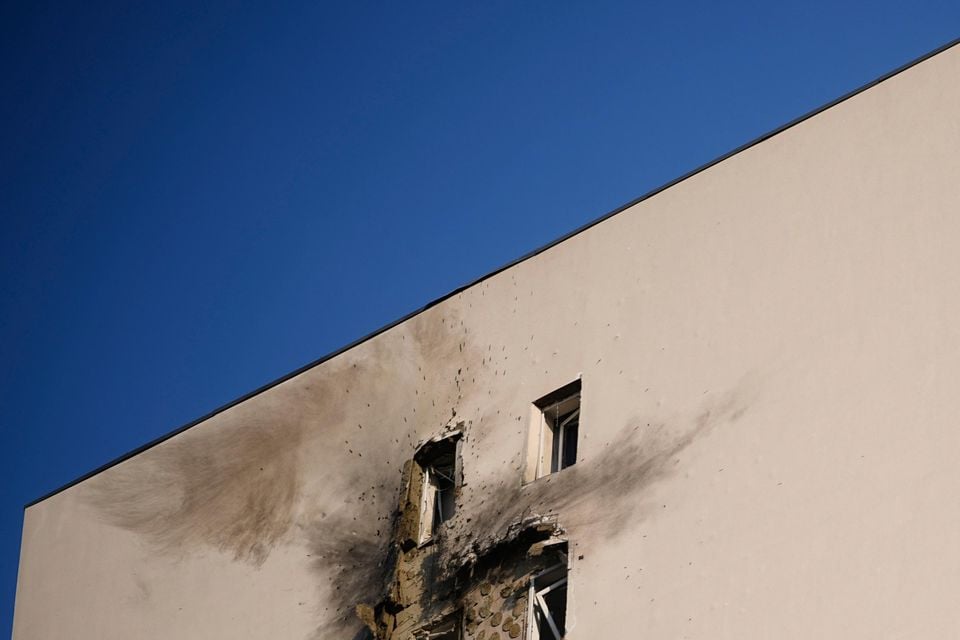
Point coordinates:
[[602, 495], [356, 558], [486, 594], [605, 492], [266, 473], [233, 490], [232, 483], [353, 563]]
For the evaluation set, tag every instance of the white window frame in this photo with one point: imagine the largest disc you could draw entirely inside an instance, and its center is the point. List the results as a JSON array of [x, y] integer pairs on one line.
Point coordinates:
[[546, 439], [431, 506], [535, 602], [428, 498]]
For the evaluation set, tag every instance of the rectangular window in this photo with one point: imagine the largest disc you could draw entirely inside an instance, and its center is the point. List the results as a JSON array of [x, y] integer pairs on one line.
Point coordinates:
[[554, 432], [438, 501], [547, 607]]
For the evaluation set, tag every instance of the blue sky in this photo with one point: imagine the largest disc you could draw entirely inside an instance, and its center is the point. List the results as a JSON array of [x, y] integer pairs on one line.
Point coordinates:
[[196, 200]]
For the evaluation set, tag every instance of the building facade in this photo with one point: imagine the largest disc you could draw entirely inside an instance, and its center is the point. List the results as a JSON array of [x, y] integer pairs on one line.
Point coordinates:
[[727, 411]]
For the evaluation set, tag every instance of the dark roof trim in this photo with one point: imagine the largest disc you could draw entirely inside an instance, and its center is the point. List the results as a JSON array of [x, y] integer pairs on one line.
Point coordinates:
[[533, 253]]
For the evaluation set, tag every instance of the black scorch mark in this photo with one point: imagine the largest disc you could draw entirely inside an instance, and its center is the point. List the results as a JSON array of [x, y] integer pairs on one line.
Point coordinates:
[[231, 489], [352, 566], [605, 493]]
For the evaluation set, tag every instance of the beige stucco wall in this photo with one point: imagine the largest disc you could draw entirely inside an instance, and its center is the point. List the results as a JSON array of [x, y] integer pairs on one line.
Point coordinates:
[[769, 353]]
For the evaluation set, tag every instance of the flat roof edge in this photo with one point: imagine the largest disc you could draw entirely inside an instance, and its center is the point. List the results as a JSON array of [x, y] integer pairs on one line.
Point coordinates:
[[523, 258]]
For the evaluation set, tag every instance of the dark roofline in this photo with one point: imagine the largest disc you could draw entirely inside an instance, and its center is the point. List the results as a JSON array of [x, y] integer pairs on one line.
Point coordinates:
[[515, 262]]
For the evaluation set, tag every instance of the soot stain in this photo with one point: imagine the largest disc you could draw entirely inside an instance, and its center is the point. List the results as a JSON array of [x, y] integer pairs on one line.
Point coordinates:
[[352, 549], [354, 567], [232, 484], [236, 483], [608, 487], [237, 488], [234, 490], [358, 564]]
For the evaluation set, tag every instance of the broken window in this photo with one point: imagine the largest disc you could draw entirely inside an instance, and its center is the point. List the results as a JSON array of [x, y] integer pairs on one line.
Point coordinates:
[[438, 500], [446, 629], [547, 619], [555, 430]]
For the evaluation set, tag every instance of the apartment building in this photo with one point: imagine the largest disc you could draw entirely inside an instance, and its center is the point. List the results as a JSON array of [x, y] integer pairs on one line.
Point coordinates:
[[725, 411]]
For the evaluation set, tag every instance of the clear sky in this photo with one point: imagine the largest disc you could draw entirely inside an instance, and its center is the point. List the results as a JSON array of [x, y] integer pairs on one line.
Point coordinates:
[[196, 200]]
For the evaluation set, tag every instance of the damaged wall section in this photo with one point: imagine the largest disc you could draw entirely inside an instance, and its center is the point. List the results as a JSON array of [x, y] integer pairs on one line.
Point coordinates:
[[513, 588]]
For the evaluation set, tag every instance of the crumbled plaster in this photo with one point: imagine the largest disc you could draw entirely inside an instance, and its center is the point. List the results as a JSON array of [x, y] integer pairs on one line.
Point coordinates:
[[494, 536], [487, 593]]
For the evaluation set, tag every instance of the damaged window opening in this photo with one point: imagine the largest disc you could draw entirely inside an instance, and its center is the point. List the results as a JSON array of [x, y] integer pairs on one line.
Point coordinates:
[[447, 629], [555, 431], [438, 501], [547, 619], [511, 587]]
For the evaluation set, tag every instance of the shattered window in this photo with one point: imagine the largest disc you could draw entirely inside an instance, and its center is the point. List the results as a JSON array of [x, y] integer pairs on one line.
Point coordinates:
[[548, 603], [555, 431], [446, 629], [438, 460]]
